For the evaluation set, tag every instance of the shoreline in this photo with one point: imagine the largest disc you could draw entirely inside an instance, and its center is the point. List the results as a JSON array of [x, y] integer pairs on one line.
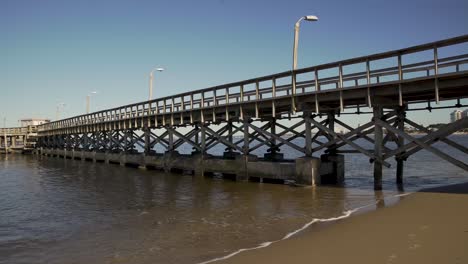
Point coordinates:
[[428, 226]]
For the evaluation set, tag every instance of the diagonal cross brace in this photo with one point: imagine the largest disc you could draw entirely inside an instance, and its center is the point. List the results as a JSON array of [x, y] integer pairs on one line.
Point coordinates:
[[223, 140], [424, 145], [429, 139], [184, 138], [286, 142], [443, 139], [352, 144]]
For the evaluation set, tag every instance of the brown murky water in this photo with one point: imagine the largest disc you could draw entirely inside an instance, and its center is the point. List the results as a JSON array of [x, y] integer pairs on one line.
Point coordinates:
[[63, 211]]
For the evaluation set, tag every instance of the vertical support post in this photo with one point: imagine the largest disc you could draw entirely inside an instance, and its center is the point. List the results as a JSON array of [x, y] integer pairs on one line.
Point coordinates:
[[147, 132], [230, 137], [308, 134], [400, 143], [273, 149], [331, 126], [203, 138], [378, 145], [170, 146], [246, 136], [197, 141]]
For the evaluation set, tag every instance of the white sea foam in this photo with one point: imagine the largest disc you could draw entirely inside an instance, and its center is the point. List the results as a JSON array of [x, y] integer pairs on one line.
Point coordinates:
[[289, 235], [266, 244]]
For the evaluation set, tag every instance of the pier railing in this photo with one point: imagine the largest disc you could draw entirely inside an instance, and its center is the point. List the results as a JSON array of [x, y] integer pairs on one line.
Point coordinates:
[[398, 66], [14, 131]]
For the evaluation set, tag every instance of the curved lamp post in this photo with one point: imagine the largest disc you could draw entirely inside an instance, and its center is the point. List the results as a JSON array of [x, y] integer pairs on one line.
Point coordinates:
[[296, 41], [57, 114], [296, 36], [151, 77], [88, 97]]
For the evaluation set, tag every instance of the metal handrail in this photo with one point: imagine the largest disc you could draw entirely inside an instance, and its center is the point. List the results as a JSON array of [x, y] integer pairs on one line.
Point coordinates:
[[224, 95]]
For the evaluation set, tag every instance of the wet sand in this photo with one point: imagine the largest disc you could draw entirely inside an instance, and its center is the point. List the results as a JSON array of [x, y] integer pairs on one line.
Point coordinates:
[[430, 226]]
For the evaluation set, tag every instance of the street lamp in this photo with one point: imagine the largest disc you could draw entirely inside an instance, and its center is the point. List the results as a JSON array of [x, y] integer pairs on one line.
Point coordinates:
[[151, 77], [88, 97], [57, 114], [296, 36]]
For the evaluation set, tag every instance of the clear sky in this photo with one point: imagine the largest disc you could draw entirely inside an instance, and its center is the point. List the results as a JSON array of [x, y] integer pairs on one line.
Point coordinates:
[[54, 51]]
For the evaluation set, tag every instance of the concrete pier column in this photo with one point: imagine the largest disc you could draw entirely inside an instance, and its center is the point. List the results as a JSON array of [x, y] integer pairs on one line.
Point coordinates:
[[378, 145], [332, 169], [242, 172], [198, 161], [307, 171]]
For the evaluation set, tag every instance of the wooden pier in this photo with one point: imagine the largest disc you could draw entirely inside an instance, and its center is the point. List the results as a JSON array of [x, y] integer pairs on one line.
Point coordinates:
[[293, 108], [18, 139]]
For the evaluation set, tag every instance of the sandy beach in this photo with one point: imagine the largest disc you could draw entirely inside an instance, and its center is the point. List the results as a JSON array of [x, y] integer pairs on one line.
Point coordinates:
[[430, 226]]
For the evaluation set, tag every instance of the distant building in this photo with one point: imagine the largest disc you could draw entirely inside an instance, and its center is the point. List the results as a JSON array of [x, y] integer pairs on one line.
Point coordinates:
[[465, 113], [33, 121], [455, 115]]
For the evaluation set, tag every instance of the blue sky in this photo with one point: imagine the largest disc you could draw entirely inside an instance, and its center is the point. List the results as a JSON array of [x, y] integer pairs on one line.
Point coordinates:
[[59, 51]]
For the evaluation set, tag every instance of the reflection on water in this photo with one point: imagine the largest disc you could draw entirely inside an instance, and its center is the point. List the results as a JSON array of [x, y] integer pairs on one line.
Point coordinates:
[[66, 211]]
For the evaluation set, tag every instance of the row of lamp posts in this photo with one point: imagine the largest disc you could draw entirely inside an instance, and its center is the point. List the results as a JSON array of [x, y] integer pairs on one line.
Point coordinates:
[[159, 69]]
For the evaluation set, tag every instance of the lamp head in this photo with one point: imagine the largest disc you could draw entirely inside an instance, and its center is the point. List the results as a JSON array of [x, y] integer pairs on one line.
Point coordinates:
[[311, 18], [159, 69]]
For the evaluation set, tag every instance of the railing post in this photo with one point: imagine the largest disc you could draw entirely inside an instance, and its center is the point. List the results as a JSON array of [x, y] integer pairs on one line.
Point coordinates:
[[202, 105], [436, 74], [227, 103], [273, 95], [191, 108], [340, 86], [215, 103], [317, 89], [293, 92], [369, 102], [400, 79], [241, 93], [257, 97]]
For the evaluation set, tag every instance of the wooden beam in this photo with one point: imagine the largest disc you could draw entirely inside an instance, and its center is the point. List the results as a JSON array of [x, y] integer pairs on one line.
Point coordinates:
[[427, 147]]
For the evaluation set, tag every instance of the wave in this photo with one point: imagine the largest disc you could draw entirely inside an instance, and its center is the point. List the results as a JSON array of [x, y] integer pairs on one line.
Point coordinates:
[[345, 214]]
